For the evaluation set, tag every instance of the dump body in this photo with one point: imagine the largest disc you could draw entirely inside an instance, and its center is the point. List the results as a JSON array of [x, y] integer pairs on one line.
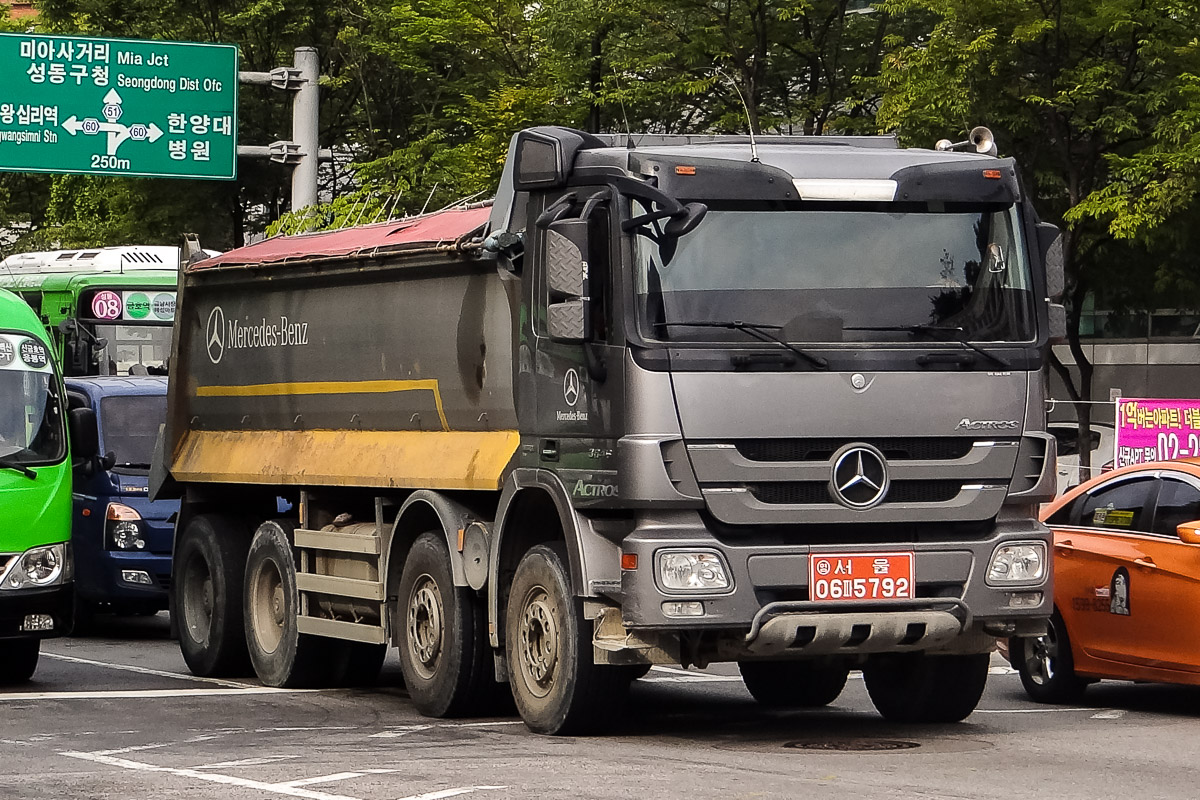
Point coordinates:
[[788, 409]]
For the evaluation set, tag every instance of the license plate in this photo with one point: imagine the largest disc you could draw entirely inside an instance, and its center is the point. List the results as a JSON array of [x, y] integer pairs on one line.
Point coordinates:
[[861, 576]]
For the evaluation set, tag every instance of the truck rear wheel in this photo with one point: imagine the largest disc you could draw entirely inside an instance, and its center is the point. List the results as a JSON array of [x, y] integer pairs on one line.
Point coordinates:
[[20, 660], [442, 634], [914, 687], [557, 687], [794, 684], [210, 559], [281, 655]]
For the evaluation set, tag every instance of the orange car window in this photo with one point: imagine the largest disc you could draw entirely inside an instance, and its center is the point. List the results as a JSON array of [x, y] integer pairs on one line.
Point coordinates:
[[1178, 502], [1121, 506]]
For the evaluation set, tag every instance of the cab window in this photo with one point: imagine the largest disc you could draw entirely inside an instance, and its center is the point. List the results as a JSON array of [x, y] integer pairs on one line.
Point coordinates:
[[1120, 506], [1178, 502]]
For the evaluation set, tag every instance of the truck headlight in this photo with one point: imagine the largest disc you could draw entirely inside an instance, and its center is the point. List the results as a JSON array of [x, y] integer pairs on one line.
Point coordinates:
[[48, 565], [692, 571], [1018, 562], [124, 528]]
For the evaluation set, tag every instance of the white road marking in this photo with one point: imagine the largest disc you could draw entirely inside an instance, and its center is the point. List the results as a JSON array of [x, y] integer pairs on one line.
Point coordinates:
[[246, 762], [397, 731], [227, 780], [146, 670], [337, 776], [117, 694], [308, 728], [451, 792], [687, 676], [1112, 713]]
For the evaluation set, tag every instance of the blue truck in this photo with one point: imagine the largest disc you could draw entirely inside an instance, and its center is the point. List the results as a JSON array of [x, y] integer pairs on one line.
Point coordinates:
[[122, 540]]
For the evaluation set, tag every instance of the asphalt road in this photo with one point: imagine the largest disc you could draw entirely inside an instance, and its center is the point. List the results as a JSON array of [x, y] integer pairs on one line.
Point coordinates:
[[117, 716]]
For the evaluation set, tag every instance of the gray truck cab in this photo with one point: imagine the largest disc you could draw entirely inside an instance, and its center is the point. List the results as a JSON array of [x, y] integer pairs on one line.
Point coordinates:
[[800, 385]]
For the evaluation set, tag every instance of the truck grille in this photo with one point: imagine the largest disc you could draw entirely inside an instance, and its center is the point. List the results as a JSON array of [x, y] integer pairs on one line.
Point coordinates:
[[807, 493], [932, 448]]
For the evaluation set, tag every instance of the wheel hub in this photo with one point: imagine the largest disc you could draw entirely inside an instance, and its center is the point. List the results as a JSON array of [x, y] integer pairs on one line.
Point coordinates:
[[199, 599], [268, 606], [538, 643], [1040, 659], [425, 625]]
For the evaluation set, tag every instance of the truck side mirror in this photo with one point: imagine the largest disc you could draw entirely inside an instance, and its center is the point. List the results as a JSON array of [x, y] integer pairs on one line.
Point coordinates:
[[567, 280], [85, 437], [1058, 323], [1051, 247]]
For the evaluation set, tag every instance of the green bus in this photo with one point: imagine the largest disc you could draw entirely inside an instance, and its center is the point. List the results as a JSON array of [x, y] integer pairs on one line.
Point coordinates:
[[35, 493], [108, 310]]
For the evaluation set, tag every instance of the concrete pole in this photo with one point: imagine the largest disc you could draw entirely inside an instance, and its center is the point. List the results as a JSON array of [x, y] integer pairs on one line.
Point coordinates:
[[305, 120]]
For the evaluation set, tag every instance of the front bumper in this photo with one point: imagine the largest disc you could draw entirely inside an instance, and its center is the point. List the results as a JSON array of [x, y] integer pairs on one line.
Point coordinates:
[[768, 603], [17, 604]]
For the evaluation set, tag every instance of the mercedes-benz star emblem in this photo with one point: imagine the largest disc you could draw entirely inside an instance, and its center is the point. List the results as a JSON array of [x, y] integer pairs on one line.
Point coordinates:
[[214, 335], [860, 476], [571, 387]]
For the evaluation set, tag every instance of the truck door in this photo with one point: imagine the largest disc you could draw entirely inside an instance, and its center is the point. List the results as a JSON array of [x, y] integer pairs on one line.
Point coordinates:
[[579, 382]]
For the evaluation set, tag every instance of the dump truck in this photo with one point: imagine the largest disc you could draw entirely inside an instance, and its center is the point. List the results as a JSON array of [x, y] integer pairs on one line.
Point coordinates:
[[777, 401]]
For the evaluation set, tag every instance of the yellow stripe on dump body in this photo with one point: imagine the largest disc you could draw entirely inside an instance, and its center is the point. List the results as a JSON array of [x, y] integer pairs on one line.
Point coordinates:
[[329, 387], [385, 459]]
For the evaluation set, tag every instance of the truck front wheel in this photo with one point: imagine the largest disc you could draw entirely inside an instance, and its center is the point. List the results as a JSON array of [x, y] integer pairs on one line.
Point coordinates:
[[281, 655], [442, 635], [794, 684], [557, 686], [914, 687], [19, 661], [210, 558]]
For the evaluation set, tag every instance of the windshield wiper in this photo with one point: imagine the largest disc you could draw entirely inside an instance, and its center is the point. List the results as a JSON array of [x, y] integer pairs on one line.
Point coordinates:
[[758, 331], [936, 331], [19, 467]]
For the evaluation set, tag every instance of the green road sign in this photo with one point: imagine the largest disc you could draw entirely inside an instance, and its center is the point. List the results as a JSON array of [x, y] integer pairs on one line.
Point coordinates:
[[118, 107]]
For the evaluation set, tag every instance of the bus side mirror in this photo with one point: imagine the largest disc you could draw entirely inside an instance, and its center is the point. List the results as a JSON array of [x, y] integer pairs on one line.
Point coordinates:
[[567, 279], [85, 437], [1189, 532]]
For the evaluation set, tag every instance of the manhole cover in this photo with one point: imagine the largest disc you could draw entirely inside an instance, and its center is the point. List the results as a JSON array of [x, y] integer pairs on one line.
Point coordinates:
[[845, 745]]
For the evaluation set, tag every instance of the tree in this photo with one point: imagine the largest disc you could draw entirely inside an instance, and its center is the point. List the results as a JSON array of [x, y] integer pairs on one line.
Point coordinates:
[[1083, 93]]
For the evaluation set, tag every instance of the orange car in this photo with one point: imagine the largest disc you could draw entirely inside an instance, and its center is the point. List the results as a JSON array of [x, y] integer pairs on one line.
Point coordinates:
[[1126, 584]]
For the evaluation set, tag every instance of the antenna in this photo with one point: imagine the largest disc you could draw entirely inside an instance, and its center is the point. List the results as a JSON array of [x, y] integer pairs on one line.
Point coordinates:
[[629, 145], [746, 109]]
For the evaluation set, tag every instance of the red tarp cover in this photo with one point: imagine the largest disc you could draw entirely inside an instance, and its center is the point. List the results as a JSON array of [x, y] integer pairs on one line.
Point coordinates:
[[443, 227]]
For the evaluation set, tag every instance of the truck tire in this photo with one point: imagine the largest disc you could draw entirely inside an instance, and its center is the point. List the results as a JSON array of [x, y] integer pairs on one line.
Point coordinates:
[[281, 655], [20, 660], [1046, 666], [794, 684], [914, 687], [210, 560], [441, 633], [557, 687]]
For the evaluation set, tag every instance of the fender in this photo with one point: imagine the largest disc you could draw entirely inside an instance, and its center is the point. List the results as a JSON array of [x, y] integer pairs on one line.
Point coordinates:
[[519, 481], [451, 515]]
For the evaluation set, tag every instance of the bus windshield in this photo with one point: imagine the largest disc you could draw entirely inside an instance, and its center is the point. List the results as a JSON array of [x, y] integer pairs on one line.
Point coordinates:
[[133, 349], [31, 418], [838, 273]]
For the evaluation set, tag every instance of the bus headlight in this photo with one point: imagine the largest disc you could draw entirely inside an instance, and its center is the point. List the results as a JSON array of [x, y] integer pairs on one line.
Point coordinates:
[[124, 528], [1018, 562], [48, 565]]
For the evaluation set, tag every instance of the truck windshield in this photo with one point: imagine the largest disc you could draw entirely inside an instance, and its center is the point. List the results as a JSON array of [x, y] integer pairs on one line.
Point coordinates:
[[134, 349], [130, 425], [31, 419], [817, 273]]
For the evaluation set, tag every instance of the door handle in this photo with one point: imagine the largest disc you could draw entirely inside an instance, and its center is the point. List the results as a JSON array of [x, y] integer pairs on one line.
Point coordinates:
[[1065, 546], [1148, 563]]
